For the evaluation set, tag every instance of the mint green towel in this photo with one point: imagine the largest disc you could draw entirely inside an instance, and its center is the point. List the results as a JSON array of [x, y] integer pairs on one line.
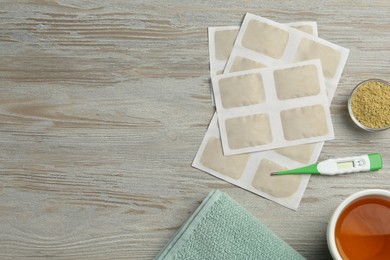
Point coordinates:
[[222, 229]]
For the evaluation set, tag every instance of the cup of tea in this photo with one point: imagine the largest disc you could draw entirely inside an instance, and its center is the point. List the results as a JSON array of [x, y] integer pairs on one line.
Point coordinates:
[[359, 228]]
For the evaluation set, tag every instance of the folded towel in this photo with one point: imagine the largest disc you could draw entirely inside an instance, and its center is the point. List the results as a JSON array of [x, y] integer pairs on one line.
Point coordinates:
[[222, 229]]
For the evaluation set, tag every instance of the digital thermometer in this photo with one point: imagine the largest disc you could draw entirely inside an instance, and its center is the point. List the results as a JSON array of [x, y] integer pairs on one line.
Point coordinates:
[[367, 162]]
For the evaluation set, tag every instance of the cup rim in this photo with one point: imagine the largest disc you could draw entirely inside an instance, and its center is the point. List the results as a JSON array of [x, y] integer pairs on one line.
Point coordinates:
[[333, 219], [352, 115]]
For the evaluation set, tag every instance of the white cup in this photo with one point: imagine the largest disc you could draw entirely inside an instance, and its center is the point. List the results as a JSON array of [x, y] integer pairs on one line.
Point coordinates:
[[331, 237]]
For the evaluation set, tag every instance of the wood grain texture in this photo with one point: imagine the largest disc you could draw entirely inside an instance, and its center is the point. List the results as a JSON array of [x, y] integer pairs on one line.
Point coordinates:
[[104, 104]]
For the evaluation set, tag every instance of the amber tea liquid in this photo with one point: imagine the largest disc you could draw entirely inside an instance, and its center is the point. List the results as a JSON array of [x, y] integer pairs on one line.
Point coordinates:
[[363, 229]]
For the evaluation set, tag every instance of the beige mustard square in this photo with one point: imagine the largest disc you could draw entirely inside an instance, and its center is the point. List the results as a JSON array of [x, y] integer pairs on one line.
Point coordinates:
[[266, 39], [304, 28], [241, 64], [224, 42], [248, 131], [213, 158], [297, 82], [304, 122], [300, 153], [243, 90], [309, 50], [277, 186]]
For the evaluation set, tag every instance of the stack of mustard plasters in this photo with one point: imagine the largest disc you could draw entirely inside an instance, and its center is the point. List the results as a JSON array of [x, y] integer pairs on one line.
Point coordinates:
[[272, 86]]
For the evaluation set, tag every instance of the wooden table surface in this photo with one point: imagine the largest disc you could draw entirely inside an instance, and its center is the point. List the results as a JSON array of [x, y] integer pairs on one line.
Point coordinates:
[[103, 107]]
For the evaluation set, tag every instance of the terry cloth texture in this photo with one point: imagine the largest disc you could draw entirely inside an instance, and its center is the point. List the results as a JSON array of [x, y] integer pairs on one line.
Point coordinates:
[[222, 229]]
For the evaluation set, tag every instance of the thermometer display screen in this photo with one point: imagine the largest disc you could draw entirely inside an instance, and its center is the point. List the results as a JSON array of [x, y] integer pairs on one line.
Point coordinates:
[[345, 165]]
